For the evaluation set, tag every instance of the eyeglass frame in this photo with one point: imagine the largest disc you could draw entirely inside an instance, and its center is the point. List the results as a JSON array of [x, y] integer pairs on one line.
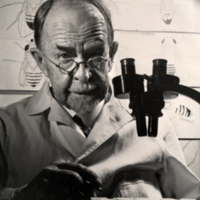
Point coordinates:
[[71, 73]]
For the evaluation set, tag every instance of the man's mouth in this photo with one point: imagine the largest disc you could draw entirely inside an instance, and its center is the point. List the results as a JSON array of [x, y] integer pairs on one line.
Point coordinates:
[[84, 89], [86, 92]]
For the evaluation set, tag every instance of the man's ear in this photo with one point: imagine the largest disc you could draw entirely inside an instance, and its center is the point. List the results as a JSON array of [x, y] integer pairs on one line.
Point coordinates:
[[39, 60], [113, 50]]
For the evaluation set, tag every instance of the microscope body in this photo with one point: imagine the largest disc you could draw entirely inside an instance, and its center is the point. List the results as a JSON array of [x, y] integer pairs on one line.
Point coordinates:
[[148, 103]]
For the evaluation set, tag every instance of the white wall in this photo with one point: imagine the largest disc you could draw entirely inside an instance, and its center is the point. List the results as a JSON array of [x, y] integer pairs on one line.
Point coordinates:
[[145, 29]]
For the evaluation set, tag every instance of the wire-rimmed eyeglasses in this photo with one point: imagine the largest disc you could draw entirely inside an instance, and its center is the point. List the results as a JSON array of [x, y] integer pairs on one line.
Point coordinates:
[[70, 66]]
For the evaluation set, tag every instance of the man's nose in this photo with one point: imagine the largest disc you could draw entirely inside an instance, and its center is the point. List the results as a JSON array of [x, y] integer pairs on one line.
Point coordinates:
[[83, 73]]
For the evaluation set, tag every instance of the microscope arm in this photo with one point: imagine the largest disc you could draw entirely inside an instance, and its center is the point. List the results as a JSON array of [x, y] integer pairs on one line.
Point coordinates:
[[180, 89]]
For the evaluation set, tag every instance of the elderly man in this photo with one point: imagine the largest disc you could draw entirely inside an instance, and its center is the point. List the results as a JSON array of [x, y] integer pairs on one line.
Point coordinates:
[[44, 153]]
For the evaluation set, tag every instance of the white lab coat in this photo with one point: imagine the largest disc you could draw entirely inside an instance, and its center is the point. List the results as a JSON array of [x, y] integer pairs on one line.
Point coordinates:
[[37, 131]]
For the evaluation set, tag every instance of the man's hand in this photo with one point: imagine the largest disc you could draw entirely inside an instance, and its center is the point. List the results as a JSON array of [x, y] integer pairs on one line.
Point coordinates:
[[61, 180]]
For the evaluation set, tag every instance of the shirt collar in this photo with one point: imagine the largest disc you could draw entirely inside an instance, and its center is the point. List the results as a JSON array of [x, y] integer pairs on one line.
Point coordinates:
[[71, 112]]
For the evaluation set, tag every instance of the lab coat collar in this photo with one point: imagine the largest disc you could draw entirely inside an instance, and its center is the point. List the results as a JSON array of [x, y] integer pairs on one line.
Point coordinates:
[[43, 100], [111, 119], [40, 101], [59, 114], [62, 135]]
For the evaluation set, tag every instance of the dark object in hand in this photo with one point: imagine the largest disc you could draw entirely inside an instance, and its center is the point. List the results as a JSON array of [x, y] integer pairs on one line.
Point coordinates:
[[60, 181]]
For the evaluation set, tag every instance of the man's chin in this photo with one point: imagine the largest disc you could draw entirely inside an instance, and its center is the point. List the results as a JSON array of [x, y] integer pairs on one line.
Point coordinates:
[[82, 103]]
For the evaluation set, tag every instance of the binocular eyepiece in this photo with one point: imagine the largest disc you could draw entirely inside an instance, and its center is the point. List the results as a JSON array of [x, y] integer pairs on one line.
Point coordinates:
[[144, 103]]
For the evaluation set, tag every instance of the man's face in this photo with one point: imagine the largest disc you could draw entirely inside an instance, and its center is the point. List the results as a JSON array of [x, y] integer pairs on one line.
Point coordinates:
[[78, 32]]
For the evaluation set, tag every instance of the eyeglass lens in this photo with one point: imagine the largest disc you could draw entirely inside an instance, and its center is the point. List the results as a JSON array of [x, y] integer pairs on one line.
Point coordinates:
[[70, 65]]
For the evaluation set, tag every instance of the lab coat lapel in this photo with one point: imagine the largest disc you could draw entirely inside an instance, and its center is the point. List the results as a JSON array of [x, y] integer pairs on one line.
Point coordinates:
[[61, 124], [112, 118], [59, 114], [62, 129], [67, 138]]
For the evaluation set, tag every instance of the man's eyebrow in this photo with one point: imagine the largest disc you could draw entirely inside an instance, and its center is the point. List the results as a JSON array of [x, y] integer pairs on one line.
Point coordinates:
[[66, 48], [94, 45]]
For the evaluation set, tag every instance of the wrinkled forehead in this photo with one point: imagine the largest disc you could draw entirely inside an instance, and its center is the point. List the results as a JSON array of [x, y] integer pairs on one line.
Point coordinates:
[[74, 17]]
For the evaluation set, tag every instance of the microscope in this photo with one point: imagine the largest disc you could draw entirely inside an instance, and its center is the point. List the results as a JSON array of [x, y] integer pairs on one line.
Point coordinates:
[[148, 101]]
